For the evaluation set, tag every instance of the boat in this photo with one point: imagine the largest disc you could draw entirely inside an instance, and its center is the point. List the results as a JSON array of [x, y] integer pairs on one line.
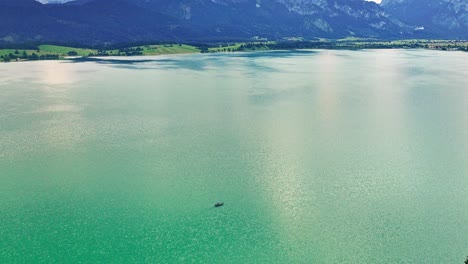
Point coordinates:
[[219, 204]]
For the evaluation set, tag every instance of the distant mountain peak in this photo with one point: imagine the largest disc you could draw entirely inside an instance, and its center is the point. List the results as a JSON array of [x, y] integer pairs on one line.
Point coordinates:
[[440, 18]]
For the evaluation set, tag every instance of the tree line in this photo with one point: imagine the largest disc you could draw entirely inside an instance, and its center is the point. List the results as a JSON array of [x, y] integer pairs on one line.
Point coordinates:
[[28, 56]]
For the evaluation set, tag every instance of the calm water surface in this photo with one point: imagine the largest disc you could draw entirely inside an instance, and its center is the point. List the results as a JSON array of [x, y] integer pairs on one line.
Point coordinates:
[[319, 156]]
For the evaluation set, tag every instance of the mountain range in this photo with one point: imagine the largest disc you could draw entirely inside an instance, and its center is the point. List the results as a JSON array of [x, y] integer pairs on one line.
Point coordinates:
[[121, 21], [441, 18]]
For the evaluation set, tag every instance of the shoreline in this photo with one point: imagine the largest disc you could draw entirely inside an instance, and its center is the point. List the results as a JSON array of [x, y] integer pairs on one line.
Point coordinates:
[[53, 52]]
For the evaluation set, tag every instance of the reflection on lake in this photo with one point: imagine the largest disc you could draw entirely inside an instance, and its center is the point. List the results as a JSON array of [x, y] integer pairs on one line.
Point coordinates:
[[320, 157]]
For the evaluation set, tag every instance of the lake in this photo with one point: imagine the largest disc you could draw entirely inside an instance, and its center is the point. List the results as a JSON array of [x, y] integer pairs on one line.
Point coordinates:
[[320, 156]]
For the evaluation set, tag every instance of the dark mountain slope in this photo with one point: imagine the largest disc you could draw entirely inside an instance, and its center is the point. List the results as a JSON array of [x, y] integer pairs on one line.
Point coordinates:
[[282, 18], [119, 20], [96, 21], [439, 18], [26, 19]]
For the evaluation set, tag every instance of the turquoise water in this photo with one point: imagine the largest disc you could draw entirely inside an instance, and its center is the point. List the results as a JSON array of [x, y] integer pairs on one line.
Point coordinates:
[[319, 156]]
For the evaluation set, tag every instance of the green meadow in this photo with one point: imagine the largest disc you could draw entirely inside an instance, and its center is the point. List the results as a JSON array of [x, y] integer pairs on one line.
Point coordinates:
[[63, 51], [60, 52], [168, 49]]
